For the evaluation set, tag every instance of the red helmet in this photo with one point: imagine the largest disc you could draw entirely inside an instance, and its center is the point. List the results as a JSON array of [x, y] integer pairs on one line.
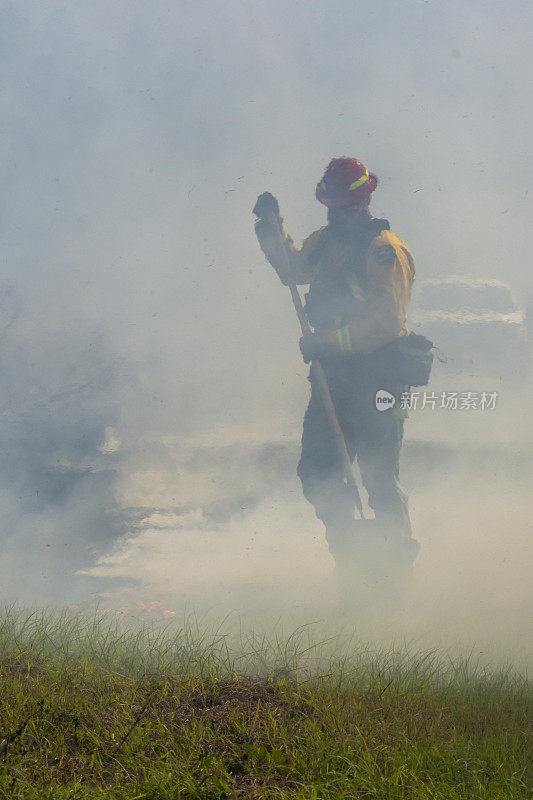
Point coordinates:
[[346, 182]]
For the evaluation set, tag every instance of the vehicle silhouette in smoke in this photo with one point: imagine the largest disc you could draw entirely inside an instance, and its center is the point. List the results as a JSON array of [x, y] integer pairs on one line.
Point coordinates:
[[476, 324]]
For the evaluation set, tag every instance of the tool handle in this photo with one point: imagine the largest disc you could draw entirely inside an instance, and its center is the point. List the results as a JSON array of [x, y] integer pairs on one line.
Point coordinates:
[[338, 435], [320, 376]]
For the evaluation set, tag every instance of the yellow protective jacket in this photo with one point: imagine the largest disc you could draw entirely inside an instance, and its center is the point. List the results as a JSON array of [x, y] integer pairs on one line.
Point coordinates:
[[380, 305]]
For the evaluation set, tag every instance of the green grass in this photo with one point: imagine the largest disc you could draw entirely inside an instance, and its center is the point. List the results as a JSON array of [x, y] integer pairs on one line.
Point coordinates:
[[93, 709]]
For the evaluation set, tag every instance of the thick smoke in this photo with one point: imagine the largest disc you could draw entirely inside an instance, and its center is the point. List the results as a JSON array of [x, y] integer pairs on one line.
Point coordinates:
[[61, 396], [153, 389]]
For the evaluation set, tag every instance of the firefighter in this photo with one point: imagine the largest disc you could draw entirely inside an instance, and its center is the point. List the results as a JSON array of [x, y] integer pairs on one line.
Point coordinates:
[[360, 276]]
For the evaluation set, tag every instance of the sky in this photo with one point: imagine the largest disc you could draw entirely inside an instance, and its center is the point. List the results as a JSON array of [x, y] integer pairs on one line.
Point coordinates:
[[136, 139]]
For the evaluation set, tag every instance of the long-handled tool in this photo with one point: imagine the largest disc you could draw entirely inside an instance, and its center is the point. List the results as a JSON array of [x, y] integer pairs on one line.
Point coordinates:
[[319, 374]]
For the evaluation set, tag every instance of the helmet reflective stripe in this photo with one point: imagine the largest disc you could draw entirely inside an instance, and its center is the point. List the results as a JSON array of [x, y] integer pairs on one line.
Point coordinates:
[[323, 185], [345, 342], [359, 182]]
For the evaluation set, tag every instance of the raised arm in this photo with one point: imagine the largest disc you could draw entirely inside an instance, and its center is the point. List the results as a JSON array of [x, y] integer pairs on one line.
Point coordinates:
[[267, 228]]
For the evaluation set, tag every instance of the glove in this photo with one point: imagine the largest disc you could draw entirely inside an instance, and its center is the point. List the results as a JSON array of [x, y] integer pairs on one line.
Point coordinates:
[[266, 204], [316, 345]]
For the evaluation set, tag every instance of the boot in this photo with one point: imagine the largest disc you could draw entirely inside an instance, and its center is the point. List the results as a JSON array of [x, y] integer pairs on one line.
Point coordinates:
[[370, 565]]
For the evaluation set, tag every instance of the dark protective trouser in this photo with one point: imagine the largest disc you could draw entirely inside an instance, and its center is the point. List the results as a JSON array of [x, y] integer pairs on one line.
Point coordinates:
[[375, 437]]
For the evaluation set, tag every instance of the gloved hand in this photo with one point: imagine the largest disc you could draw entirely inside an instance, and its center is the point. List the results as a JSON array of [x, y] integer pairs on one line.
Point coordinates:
[[316, 345], [266, 204]]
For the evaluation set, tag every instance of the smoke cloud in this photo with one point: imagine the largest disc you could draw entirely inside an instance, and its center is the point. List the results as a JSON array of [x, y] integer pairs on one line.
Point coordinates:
[[153, 389]]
